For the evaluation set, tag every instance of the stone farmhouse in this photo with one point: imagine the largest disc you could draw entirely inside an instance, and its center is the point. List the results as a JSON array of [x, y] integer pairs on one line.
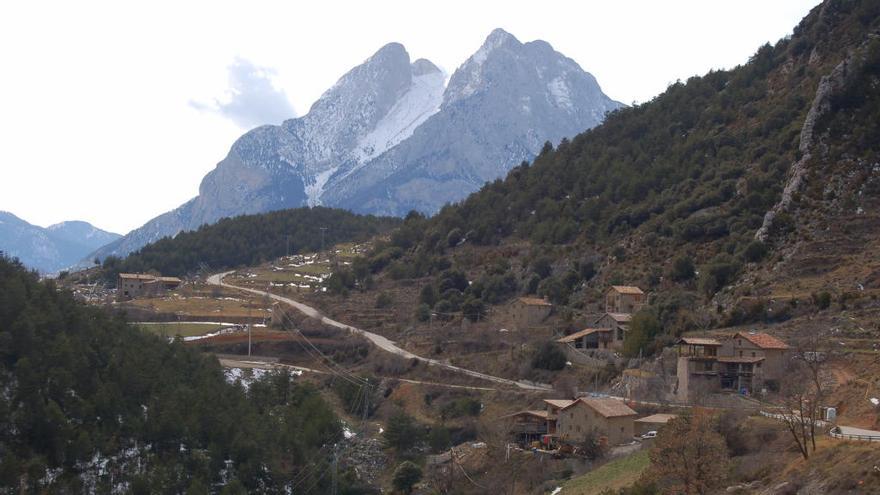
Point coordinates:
[[624, 299], [746, 363], [571, 421], [132, 285]]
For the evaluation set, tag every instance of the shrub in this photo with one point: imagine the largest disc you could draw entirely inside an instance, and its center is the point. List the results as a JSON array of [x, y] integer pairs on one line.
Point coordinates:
[[719, 272], [384, 300], [406, 476], [682, 269], [402, 433], [473, 309], [549, 357], [464, 406], [822, 300], [428, 296], [423, 312], [755, 251]]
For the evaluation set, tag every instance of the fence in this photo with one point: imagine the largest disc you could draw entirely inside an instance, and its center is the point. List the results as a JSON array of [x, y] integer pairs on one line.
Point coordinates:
[[852, 436]]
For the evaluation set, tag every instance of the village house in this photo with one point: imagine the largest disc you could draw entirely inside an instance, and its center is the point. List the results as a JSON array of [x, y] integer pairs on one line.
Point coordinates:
[[746, 363], [606, 417], [624, 299], [589, 338], [530, 426], [618, 323], [755, 345], [528, 312], [131, 285]]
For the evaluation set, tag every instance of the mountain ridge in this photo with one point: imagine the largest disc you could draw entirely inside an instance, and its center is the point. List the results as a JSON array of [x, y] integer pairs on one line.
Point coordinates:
[[52, 248], [344, 150]]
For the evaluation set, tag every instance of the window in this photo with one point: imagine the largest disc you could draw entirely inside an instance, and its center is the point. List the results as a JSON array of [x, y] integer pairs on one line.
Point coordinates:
[[740, 353], [753, 354], [621, 429]]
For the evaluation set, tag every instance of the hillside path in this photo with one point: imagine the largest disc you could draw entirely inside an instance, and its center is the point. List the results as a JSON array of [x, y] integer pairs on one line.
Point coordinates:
[[378, 340]]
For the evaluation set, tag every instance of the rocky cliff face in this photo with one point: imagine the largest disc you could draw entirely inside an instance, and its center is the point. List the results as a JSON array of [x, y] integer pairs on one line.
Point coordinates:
[[499, 108], [389, 137]]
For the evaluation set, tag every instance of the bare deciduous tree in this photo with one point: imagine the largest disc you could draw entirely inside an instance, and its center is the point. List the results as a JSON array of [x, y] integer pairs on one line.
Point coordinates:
[[803, 394], [689, 456]]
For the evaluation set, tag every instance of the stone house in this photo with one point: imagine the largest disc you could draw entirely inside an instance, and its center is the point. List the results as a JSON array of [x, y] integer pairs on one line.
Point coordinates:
[[755, 345], [529, 312], [624, 299], [618, 323], [745, 363], [131, 285], [607, 417]]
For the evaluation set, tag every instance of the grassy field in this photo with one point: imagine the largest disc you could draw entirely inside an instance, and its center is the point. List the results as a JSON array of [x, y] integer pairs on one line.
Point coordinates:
[[183, 329], [616, 474]]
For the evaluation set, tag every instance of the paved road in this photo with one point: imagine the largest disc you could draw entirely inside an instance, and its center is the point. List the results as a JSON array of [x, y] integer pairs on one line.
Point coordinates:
[[378, 340]]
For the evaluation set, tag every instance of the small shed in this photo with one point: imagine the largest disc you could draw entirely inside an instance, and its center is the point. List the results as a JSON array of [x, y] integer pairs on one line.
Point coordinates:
[[528, 312], [653, 422]]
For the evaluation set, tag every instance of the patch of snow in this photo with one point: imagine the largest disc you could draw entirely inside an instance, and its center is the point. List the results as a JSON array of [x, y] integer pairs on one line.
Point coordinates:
[[556, 490], [347, 433], [316, 188], [875, 401], [420, 102], [560, 92]]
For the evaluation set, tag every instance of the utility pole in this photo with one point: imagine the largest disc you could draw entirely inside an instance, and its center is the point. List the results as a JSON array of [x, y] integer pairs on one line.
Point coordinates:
[[288, 245], [335, 470], [323, 229]]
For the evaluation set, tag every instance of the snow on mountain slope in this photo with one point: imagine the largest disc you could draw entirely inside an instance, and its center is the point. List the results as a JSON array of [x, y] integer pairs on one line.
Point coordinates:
[[421, 101]]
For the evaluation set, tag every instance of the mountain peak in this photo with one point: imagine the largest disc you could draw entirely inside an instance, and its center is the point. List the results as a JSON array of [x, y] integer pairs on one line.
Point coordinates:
[[393, 49], [424, 66], [499, 36]]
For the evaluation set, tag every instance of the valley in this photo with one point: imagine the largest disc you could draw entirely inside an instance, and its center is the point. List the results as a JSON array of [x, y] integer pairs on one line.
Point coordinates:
[[500, 282]]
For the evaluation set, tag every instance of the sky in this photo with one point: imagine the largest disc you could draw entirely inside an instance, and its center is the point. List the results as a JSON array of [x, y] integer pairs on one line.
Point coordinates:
[[112, 112]]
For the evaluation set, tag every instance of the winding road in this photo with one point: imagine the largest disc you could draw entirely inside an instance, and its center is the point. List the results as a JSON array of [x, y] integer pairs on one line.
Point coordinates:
[[378, 340]]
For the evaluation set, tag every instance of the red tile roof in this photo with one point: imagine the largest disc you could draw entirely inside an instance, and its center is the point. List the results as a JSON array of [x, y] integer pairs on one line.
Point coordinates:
[[560, 403], [626, 289], [582, 333], [606, 406], [763, 340]]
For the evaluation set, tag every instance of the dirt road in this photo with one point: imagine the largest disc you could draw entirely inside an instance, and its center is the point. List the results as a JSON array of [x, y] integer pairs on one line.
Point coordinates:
[[378, 340]]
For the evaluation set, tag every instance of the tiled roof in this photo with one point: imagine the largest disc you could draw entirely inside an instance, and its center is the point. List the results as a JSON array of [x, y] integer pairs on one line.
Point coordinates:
[[763, 340], [743, 359], [626, 289], [657, 418], [560, 403], [540, 414], [534, 301], [620, 317], [582, 333], [606, 406], [136, 276], [698, 341]]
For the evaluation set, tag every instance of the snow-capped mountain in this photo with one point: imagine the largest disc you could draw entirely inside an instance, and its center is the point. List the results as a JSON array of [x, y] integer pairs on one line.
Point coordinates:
[[389, 137], [53, 248]]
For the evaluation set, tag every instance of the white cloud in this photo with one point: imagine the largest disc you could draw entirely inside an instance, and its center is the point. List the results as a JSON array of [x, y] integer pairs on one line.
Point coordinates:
[[251, 99]]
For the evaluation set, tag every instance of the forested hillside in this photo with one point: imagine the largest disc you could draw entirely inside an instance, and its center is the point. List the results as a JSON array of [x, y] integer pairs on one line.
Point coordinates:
[[89, 404], [250, 239], [672, 193]]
